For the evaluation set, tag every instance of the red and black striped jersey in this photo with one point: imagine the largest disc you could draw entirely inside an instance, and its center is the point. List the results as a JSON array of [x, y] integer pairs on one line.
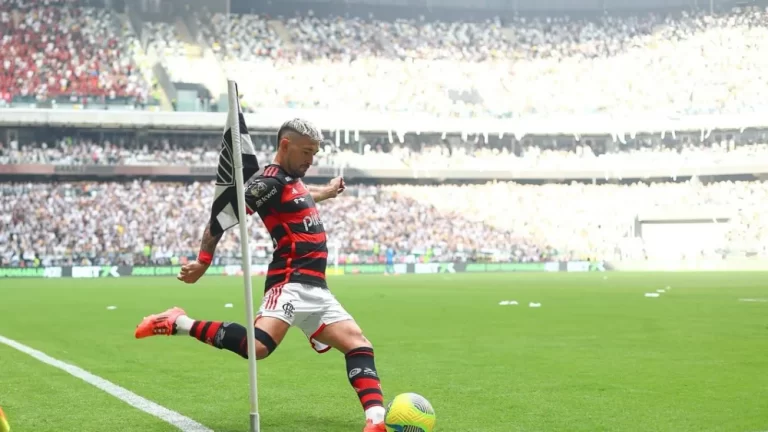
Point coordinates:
[[298, 236]]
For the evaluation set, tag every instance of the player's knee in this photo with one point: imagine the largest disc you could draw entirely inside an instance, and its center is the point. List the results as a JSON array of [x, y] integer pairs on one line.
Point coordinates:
[[356, 339], [265, 345]]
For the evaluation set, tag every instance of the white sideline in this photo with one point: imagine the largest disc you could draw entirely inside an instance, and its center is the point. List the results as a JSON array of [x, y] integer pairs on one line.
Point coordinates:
[[185, 424]]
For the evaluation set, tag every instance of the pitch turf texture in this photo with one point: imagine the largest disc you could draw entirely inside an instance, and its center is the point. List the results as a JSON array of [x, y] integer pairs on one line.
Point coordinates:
[[596, 356]]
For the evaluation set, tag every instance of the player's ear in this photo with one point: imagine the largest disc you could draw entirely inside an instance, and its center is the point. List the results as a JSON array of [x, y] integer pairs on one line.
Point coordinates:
[[283, 144]]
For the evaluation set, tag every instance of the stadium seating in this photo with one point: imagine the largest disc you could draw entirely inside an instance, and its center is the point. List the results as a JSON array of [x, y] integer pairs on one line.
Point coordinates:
[[243, 37], [689, 63], [51, 51], [693, 62], [113, 222]]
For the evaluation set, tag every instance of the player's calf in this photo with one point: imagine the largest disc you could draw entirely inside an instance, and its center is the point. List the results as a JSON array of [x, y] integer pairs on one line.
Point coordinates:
[[362, 374], [347, 337], [233, 337], [269, 332]]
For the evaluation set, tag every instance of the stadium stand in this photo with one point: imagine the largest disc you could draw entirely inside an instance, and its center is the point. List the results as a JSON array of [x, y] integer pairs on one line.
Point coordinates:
[[243, 37], [98, 223], [689, 63], [51, 51], [518, 67]]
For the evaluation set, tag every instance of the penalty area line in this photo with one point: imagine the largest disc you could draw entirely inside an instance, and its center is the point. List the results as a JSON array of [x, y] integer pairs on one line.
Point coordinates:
[[185, 424]]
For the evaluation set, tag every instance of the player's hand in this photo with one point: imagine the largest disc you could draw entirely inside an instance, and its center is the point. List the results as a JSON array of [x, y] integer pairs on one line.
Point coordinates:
[[336, 186], [191, 272]]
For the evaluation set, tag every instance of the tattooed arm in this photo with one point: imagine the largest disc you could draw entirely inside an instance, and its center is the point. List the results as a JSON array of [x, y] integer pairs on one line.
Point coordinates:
[[193, 271], [209, 242]]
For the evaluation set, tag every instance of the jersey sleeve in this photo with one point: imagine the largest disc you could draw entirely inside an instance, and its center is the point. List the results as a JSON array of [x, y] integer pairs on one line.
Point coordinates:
[[262, 192]]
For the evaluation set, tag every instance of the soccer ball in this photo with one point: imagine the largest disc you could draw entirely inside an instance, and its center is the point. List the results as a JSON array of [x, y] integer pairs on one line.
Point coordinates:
[[409, 412]]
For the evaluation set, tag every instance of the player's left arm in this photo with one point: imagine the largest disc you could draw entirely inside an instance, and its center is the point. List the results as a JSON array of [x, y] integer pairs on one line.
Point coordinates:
[[331, 190]]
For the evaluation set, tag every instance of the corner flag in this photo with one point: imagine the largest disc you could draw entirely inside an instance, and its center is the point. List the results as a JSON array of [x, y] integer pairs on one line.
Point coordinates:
[[237, 163], [224, 211]]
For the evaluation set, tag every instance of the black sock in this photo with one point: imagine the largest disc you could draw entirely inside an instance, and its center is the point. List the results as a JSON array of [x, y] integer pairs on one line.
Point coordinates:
[[361, 370], [222, 335]]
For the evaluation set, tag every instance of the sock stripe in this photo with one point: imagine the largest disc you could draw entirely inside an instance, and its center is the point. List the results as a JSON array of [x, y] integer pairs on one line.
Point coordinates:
[[368, 392], [362, 351], [365, 383], [375, 396], [211, 332], [195, 327], [201, 334], [372, 403]]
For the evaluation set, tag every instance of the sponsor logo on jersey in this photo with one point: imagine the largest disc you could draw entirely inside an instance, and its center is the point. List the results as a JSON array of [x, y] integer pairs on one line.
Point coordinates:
[[260, 202], [312, 220]]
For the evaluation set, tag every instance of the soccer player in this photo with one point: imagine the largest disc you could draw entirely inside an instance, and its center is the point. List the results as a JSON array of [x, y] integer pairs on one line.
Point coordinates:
[[296, 293], [390, 260]]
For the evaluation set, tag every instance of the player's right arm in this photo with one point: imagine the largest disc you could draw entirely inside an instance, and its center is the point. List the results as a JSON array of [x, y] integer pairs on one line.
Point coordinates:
[[191, 272], [261, 192]]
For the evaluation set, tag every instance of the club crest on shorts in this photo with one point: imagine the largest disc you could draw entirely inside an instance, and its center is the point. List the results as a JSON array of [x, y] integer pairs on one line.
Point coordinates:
[[288, 309]]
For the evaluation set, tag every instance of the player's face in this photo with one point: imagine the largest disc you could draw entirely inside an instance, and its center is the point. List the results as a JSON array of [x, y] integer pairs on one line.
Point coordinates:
[[301, 154]]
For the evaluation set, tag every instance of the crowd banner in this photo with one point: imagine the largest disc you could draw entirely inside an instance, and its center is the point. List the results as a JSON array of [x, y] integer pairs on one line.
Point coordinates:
[[31, 272], [122, 271]]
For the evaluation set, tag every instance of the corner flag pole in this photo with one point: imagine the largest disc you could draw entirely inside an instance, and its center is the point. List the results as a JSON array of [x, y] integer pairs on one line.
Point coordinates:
[[234, 107]]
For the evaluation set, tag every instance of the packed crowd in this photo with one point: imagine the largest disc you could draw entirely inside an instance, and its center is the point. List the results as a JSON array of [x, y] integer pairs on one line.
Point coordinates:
[[584, 219], [689, 63], [693, 62], [246, 37], [430, 153], [139, 222], [188, 150], [50, 50]]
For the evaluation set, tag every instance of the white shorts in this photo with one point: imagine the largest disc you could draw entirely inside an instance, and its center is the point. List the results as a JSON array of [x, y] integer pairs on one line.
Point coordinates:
[[307, 307]]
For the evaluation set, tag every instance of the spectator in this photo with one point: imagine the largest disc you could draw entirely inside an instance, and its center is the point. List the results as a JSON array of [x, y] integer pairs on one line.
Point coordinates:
[[115, 222], [143, 222], [50, 50]]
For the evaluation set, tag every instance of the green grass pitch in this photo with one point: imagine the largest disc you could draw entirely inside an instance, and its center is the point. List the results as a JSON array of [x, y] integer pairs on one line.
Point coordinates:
[[596, 356]]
